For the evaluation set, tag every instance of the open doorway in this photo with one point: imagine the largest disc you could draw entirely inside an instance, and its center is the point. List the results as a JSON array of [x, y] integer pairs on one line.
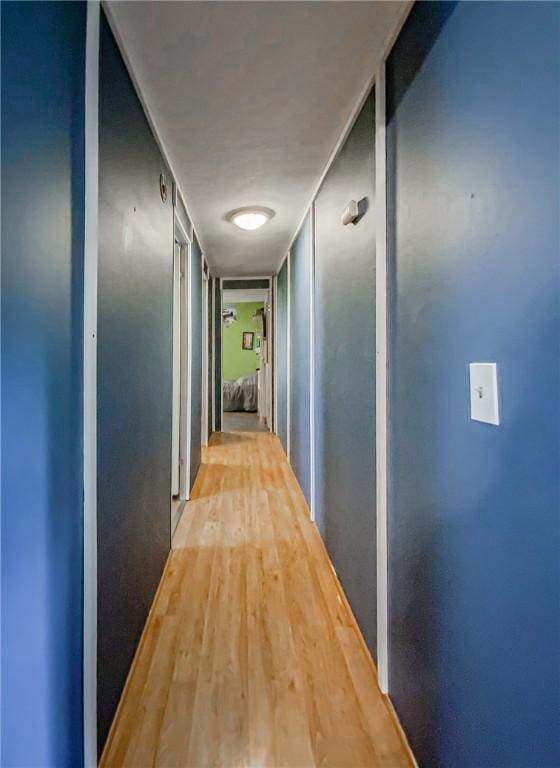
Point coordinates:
[[246, 354], [180, 429]]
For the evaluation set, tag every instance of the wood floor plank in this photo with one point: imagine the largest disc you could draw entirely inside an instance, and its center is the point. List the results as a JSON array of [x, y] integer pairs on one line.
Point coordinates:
[[251, 656]]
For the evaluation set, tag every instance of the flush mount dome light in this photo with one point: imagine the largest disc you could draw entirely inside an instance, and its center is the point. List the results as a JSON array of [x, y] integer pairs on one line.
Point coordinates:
[[250, 218]]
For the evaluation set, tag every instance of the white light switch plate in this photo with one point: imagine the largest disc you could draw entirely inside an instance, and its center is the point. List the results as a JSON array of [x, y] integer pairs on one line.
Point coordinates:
[[484, 393]]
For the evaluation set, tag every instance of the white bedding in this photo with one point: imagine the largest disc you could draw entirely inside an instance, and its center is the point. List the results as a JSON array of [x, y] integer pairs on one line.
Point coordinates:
[[241, 394]]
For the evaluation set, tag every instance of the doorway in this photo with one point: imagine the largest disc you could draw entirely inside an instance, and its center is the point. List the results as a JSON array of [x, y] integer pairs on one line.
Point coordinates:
[[204, 431], [180, 424], [246, 380]]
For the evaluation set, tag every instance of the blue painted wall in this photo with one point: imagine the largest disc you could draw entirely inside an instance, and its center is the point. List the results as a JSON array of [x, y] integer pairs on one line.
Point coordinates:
[[134, 367], [345, 371], [474, 198], [300, 432], [43, 66], [281, 341], [196, 358]]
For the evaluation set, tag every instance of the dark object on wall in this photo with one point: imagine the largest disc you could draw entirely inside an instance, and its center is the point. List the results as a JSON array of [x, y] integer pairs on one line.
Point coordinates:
[[229, 315], [345, 373], [43, 73], [134, 375], [162, 188], [248, 340], [473, 509]]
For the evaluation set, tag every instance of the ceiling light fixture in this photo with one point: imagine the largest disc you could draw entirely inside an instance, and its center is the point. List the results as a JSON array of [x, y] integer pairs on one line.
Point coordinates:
[[250, 218]]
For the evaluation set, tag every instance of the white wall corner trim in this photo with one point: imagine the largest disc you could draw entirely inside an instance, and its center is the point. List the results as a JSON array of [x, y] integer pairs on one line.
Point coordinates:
[[213, 347], [312, 364], [204, 405], [381, 377], [288, 360], [221, 354], [275, 355], [188, 290], [90, 385]]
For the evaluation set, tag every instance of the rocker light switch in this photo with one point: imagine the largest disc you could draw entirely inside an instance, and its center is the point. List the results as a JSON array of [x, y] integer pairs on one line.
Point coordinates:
[[484, 393]]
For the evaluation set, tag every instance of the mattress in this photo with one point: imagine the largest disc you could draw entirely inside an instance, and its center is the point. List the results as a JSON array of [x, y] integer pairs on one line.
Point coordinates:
[[241, 394]]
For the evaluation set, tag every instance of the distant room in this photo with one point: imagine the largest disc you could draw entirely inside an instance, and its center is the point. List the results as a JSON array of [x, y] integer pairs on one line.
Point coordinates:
[[245, 369]]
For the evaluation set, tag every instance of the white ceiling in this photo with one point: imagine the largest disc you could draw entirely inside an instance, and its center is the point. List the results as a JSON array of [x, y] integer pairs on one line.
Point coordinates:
[[249, 100]]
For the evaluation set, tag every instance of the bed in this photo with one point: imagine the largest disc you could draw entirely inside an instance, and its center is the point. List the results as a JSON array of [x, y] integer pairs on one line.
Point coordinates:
[[241, 394]]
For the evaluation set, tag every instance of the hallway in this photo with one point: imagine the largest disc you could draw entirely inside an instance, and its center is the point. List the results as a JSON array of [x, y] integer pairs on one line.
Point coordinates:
[[250, 655], [280, 366]]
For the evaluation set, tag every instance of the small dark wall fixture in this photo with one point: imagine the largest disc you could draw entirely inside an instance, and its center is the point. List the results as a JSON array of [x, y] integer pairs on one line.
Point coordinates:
[[162, 188], [363, 207], [354, 211]]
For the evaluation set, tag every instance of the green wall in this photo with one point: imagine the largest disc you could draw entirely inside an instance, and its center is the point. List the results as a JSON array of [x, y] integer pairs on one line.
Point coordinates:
[[237, 361]]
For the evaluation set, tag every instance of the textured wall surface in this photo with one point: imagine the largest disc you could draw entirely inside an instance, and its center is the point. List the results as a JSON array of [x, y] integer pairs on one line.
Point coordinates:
[[134, 374], [281, 341], [300, 319], [43, 65], [473, 162], [345, 371]]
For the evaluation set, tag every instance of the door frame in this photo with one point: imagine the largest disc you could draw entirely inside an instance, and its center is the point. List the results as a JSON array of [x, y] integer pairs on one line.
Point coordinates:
[[177, 334], [213, 284], [205, 306], [271, 393], [275, 356], [288, 354], [185, 425], [381, 379]]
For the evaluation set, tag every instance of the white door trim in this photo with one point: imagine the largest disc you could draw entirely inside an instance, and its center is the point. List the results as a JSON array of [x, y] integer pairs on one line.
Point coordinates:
[[275, 356], [213, 298], [177, 367], [183, 237], [204, 404], [221, 355], [188, 431], [270, 358], [312, 362], [381, 377], [90, 385], [289, 356]]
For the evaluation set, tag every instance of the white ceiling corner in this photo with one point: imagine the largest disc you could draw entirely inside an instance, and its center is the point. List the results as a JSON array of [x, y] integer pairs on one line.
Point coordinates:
[[249, 100]]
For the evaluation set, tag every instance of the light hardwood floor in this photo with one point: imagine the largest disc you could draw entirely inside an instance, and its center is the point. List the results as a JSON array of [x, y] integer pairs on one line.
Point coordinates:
[[250, 655]]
